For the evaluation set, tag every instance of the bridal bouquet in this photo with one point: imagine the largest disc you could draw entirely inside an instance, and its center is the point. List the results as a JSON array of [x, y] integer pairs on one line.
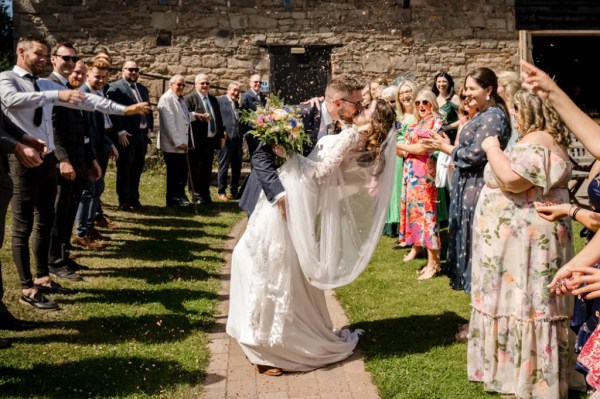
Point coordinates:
[[277, 125]]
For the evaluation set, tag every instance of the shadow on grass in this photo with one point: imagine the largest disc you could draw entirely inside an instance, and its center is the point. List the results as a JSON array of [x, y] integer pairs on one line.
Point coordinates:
[[97, 377], [148, 329], [156, 274], [171, 299], [408, 335]]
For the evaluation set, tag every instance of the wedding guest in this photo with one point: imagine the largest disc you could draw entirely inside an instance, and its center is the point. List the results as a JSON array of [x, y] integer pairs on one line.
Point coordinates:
[[389, 94], [35, 188], [586, 312], [252, 99], [405, 117], [207, 132], [518, 333], [89, 212], [174, 140], [448, 102], [76, 165], [132, 135], [418, 217], [277, 309], [469, 160], [509, 84], [231, 153], [13, 140]]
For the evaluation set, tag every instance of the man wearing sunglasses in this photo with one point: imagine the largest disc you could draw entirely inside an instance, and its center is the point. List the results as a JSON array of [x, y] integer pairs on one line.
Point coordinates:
[[28, 102], [131, 134]]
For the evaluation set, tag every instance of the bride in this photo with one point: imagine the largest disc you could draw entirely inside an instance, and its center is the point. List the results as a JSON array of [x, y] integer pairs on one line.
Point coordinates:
[[337, 198]]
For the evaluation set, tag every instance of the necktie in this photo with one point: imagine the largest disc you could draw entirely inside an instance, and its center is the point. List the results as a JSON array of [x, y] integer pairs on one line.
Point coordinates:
[[138, 98], [39, 111], [208, 108]]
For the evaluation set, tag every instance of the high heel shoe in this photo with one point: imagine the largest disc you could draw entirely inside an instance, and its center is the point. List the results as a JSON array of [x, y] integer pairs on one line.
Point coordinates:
[[429, 272]]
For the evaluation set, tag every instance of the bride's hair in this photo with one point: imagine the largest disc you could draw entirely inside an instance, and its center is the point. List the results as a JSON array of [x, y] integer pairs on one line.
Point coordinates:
[[382, 121]]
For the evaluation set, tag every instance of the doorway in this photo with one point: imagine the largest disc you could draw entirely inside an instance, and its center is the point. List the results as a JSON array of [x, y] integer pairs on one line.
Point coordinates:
[[299, 73]]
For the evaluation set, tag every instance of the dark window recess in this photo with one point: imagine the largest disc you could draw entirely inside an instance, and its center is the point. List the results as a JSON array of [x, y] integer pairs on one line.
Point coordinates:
[[299, 73], [163, 38], [557, 14], [573, 66], [163, 2]]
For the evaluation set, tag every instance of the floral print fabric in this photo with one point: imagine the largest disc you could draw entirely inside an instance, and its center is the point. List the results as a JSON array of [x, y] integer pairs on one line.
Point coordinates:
[[418, 221], [469, 160], [518, 333]]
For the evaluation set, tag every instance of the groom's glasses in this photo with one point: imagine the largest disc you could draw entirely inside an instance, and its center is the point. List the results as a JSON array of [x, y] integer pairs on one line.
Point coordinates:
[[358, 105]]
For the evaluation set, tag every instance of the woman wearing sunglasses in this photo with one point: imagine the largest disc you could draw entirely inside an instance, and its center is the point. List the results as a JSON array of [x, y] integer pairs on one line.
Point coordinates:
[[418, 217]]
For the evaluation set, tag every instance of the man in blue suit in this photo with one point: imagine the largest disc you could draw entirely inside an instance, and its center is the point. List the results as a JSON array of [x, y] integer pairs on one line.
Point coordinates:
[[132, 133], [231, 153], [252, 99]]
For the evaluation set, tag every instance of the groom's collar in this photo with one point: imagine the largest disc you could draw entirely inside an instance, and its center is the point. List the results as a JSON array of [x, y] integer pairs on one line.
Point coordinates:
[[325, 115]]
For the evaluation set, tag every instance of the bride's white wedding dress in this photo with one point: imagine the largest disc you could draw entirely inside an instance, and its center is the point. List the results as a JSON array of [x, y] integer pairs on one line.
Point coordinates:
[[276, 313]]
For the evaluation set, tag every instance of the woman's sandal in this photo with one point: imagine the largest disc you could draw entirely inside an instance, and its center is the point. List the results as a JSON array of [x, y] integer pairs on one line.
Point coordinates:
[[429, 272], [268, 370]]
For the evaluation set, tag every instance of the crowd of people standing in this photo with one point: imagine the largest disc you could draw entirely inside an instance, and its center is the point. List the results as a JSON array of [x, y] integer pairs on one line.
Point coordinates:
[[488, 160]]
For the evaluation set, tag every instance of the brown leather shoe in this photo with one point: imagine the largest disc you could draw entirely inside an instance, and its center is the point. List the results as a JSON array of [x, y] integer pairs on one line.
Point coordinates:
[[96, 236], [86, 242], [268, 370], [105, 222]]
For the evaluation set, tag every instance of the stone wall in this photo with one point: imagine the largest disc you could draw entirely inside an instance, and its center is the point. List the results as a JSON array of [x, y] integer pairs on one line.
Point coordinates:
[[229, 39]]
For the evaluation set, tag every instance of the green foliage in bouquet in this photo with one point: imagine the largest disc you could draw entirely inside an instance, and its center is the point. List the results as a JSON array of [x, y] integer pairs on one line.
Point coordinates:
[[277, 124]]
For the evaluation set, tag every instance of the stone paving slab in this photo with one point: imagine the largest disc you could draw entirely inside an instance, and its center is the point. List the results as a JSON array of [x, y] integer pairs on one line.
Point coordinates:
[[230, 374]]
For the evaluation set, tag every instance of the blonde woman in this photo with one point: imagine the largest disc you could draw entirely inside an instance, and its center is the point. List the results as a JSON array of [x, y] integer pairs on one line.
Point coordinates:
[[518, 332], [418, 216], [405, 117]]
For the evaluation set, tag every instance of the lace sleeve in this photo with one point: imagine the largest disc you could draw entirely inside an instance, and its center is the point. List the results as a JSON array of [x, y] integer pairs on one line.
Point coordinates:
[[333, 156]]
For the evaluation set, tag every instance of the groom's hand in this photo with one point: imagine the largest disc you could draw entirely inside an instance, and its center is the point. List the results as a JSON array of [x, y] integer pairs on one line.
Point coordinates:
[[281, 204]]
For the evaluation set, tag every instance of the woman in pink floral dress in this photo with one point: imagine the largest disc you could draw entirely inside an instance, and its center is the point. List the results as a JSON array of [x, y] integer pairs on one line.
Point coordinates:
[[418, 220], [518, 332]]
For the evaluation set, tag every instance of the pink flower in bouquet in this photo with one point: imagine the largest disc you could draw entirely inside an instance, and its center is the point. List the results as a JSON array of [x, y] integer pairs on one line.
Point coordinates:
[[260, 121]]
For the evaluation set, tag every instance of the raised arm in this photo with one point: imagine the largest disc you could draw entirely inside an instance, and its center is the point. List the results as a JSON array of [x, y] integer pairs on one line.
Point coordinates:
[[584, 127]]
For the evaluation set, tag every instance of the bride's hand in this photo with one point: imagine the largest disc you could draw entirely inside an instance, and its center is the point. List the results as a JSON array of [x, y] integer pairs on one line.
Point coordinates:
[[279, 151], [281, 203]]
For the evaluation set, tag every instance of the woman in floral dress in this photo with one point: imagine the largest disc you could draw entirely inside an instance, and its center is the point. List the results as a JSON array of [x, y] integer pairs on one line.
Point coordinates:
[[518, 332], [418, 223], [405, 109]]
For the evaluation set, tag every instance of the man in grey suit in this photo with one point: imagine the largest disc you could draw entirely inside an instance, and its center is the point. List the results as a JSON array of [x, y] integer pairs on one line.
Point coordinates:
[[132, 133], [174, 140], [231, 153]]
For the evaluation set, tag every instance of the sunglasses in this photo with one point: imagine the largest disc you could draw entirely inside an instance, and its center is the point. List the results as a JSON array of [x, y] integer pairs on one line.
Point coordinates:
[[424, 102], [180, 84], [68, 58], [132, 70], [204, 84]]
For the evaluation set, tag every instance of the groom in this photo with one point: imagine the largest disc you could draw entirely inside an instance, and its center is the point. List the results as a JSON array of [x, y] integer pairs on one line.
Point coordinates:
[[342, 103]]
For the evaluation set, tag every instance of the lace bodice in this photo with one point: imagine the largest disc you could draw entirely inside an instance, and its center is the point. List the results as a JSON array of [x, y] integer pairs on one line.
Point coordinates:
[[330, 152]]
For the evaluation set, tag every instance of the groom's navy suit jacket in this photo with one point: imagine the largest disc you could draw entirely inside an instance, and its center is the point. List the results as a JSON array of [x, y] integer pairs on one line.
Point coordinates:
[[264, 172]]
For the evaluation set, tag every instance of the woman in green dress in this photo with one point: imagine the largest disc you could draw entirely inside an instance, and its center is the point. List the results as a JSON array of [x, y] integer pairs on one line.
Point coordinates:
[[448, 103], [405, 108]]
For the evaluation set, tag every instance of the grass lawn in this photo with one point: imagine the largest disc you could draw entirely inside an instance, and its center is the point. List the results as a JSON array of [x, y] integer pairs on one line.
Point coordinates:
[[409, 344], [137, 325]]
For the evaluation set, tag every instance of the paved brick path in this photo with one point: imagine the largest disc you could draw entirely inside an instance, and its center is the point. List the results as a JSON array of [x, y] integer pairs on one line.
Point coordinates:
[[230, 375]]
